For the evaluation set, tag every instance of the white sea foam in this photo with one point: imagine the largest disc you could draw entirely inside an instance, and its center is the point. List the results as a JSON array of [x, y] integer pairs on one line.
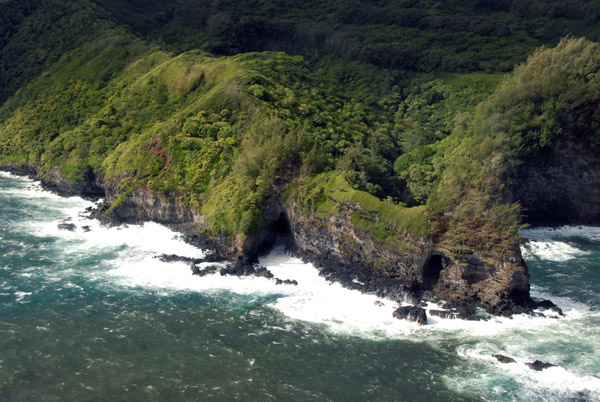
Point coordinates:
[[32, 189], [550, 250], [552, 244], [21, 295], [315, 299], [554, 383], [7, 175], [147, 238], [353, 313], [591, 233]]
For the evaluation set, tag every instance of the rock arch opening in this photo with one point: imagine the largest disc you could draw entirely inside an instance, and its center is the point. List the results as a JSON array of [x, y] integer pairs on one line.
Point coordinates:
[[282, 231], [277, 234], [431, 271]]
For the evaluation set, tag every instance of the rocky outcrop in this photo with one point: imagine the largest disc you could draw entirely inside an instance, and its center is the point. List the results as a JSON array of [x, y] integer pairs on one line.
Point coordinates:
[[500, 285], [539, 365], [88, 186], [409, 269], [420, 269], [20, 169], [504, 359], [351, 256], [411, 313]]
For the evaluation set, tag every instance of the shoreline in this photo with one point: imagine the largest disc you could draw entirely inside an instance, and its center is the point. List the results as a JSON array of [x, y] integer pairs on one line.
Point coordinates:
[[328, 266]]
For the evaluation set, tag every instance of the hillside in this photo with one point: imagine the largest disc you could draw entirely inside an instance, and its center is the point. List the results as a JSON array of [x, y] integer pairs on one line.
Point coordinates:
[[410, 173]]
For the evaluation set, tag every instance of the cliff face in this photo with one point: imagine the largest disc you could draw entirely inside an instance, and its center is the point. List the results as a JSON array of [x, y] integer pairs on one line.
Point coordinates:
[[561, 185], [419, 268], [406, 270]]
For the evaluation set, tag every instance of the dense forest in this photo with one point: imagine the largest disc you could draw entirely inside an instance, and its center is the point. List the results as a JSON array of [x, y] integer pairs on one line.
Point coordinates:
[[413, 109]]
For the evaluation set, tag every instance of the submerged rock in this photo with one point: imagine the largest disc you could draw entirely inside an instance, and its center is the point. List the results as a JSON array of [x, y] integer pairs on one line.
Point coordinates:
[[286, 282], [504, 359], [411, 313], [539, 365]]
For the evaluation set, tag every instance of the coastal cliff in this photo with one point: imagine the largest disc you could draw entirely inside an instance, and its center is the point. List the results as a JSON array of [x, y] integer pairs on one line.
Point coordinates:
[[405, 195], [409, 269]]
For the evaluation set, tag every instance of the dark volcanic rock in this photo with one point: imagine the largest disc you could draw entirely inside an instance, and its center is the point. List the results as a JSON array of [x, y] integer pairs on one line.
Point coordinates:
[[89, 187], [240, 268], [67, 226], [548, 305], [20, 169], [176, 258], [411, 313], [420, 270], [343, 253], [213, 257], [285, 282], [539, 365], [504, 359], [443, 313], [210, 270], [467, 313], [263, 272]]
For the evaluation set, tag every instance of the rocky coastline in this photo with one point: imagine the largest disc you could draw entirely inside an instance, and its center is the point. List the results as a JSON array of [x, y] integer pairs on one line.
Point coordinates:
[[470, 287]]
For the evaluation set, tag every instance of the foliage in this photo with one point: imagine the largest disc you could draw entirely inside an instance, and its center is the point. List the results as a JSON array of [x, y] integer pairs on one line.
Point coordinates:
[[329, 193], [551, 96], [419, 35], [34, 34]]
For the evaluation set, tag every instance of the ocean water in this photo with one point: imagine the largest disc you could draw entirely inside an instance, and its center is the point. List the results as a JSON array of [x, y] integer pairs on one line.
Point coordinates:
[[91, 314]]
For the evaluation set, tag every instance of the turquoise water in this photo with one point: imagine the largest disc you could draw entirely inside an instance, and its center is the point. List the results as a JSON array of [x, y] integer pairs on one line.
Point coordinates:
[[92, 315]]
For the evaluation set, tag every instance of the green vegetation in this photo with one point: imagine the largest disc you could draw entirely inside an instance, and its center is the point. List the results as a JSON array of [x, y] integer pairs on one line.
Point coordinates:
[[330, 193], [420, 35], [554, 95], [393, 112]]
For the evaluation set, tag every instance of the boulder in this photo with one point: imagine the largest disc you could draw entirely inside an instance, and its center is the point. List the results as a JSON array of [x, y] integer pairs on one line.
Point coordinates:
[[67, 226], [504, 359], [195, 269], [539, 365], [411, 313], [286, 282], [548, 305], [263, 272]]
